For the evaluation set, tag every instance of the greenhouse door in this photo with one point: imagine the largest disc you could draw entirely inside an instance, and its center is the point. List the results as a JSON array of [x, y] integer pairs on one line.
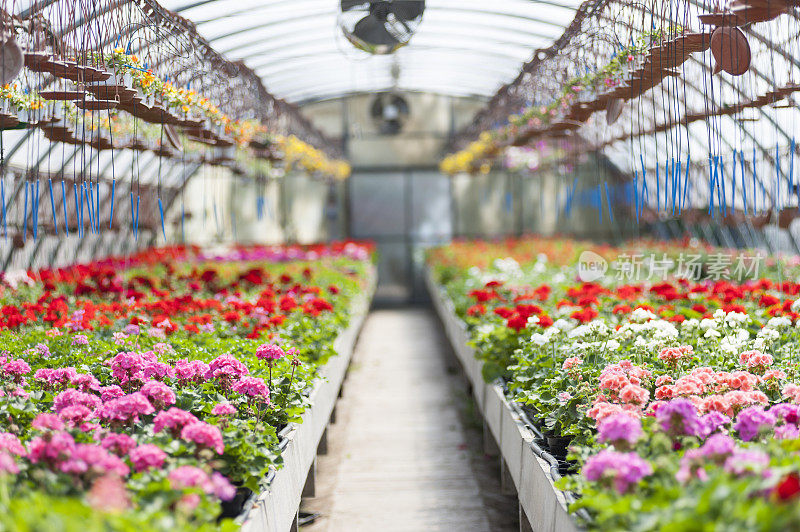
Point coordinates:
[[403, 212]]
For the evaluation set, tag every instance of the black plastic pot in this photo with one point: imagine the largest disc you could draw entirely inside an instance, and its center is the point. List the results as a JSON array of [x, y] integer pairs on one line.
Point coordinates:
[[567, 467], [234, 507], [558, 446]]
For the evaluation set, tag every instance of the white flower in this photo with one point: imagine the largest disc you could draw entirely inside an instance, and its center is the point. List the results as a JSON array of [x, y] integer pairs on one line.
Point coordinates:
[[712, 333], [507, 265], [796, 306], [540, 339], [707, 324], [564, 311], [599, 327], [640, 315], [778, 322], [485, 329], [732, 319], [769, 335], [579, 331], [628, 330], [13, 278], [735, 342], [719, 314], [640, 342], [612, 345], [563, 325], [690, 324]]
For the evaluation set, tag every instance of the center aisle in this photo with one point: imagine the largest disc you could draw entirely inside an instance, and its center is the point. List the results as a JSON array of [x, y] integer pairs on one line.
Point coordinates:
[[397, 455]]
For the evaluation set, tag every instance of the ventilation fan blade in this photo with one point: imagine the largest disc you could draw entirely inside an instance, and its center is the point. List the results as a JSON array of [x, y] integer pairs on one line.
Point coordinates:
[[347, 5], [371, 30], [407, 9]]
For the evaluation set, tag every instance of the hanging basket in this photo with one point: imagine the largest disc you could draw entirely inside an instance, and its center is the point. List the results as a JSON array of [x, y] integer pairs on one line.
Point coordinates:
[[731, 51], [11, 60]]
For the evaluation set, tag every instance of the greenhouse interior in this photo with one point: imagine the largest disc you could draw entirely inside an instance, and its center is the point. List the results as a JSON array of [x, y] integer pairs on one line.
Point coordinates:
[[399, 265]]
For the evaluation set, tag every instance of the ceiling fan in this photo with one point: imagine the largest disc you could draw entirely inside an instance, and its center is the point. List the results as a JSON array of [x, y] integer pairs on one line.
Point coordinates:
[[380, 26]]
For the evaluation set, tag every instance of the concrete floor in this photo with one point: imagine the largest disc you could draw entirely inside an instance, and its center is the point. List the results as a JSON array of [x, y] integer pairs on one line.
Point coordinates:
[[399, 457]]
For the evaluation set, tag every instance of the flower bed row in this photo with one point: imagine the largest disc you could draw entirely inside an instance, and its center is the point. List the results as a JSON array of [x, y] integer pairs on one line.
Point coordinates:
[[673, 401], [150, 391]]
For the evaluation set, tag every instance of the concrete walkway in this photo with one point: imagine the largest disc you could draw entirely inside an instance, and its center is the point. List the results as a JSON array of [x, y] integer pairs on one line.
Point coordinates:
[[397, 457]]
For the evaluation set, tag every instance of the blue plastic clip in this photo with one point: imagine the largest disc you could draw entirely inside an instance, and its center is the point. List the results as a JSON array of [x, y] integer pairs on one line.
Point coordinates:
[[133, 217], [608, 202], [53, 205], [25, 215], [711, 186], [79, 207], [161, 211], [733, 179], [3, 201], [791, 166], [86, 193], [686, 181], [137, 216], [64, 204], [113, 195], [723, 205], [755, 195], [35, 212], [97, 207], [599, 205], [658, 189], [744, 182], [777, 196]]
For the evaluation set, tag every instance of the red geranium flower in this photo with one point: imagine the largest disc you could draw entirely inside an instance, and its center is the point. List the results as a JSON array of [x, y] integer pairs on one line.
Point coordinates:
[[585, 315], [788, 488], [504, 312], [768, 300], [517, 323], [481, 296], [231, 317], [476, 310]]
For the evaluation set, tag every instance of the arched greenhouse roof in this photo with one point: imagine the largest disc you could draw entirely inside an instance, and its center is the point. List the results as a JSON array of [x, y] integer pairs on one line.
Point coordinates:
[[461, 47]]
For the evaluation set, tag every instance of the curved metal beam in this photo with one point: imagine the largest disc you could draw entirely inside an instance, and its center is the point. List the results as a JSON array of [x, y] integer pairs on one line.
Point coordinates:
[[280, 40], [262, 26], [192, 5]]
